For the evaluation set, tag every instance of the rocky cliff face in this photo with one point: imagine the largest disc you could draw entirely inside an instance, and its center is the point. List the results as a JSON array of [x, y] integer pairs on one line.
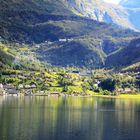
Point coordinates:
[[126, 14], [133, 9], [100, 11]]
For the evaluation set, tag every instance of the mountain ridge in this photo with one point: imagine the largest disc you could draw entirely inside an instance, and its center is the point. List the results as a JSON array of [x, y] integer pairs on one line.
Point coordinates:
[[132, 7]]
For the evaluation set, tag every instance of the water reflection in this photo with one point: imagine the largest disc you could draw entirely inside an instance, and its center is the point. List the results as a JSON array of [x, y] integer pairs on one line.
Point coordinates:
[[52, 118]]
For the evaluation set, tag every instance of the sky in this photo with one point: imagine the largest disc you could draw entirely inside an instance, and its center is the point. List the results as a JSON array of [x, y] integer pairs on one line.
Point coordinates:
[[113, 1]]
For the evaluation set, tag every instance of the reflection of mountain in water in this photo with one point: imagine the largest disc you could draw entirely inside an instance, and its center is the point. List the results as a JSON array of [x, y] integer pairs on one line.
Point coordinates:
[[69, 118]]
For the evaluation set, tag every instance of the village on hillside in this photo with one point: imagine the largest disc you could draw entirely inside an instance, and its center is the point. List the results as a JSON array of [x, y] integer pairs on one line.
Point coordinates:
[[70, 82]]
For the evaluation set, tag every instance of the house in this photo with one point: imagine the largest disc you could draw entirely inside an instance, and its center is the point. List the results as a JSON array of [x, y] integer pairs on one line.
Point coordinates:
[[1, 86], [21, 77], [63, 40], [85, 73], [20, 86], [96, 85], [27, 86], [120, 90], [128, 90], [47, 85], [125, 90], [10, 90], [33, 86], [13, 75], [49, 42], [30, 86], [2, 91], [70, 39], [37, 46]]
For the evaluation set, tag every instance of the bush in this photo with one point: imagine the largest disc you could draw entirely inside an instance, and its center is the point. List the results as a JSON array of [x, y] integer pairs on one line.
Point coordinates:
[[106, 92], [65, 89], [96, 89]]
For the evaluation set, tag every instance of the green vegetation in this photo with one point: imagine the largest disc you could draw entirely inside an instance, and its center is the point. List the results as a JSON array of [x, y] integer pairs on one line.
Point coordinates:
[[5, 57], [21, 67], [71, 83], [39, 27], [16, 56], [108, 84], [127, 56]]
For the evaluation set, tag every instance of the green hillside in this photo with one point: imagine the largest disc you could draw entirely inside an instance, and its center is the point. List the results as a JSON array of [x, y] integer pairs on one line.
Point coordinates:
[[16, 56], [6, 58], [78, 53], [132, 68], [34, 22], [127, 56]]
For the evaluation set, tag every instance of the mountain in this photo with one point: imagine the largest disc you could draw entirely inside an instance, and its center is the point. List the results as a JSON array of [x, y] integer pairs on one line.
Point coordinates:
[[126, 14], [19, 18], [130, 3], [126, 56], [29, 20], [59, 34], [92, 44], [133, 9], [101, 11]]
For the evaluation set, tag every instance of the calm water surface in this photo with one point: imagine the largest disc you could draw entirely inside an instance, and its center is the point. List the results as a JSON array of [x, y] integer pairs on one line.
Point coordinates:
[[53, 118]]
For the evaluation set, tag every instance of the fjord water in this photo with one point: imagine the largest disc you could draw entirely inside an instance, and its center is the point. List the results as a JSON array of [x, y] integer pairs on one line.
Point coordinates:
[[74, 118]]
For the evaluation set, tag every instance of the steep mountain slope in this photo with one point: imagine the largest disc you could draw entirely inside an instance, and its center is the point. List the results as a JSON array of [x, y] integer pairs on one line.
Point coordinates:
[[78, 52], [90, 50], [18, 17], [63, 38], [127, 56], [126, 14], [133, 9], [101, 11], [29, 20]]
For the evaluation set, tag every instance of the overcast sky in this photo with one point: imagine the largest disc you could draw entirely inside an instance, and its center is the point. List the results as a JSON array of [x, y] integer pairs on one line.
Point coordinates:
[[113, 1]]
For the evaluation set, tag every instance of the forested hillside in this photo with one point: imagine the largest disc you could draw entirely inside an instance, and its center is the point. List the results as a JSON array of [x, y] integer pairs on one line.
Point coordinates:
[[59, 36]]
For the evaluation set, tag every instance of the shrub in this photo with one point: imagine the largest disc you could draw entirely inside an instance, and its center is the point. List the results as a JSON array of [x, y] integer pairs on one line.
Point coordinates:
[[106, 92]]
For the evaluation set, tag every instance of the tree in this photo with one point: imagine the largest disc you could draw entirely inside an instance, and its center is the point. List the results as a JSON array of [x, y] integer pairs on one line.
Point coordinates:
[[138, 83], [65, 89], [85, 86], [108, 84]]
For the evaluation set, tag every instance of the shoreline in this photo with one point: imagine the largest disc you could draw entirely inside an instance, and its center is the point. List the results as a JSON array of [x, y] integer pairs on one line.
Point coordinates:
[[123, 96]]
